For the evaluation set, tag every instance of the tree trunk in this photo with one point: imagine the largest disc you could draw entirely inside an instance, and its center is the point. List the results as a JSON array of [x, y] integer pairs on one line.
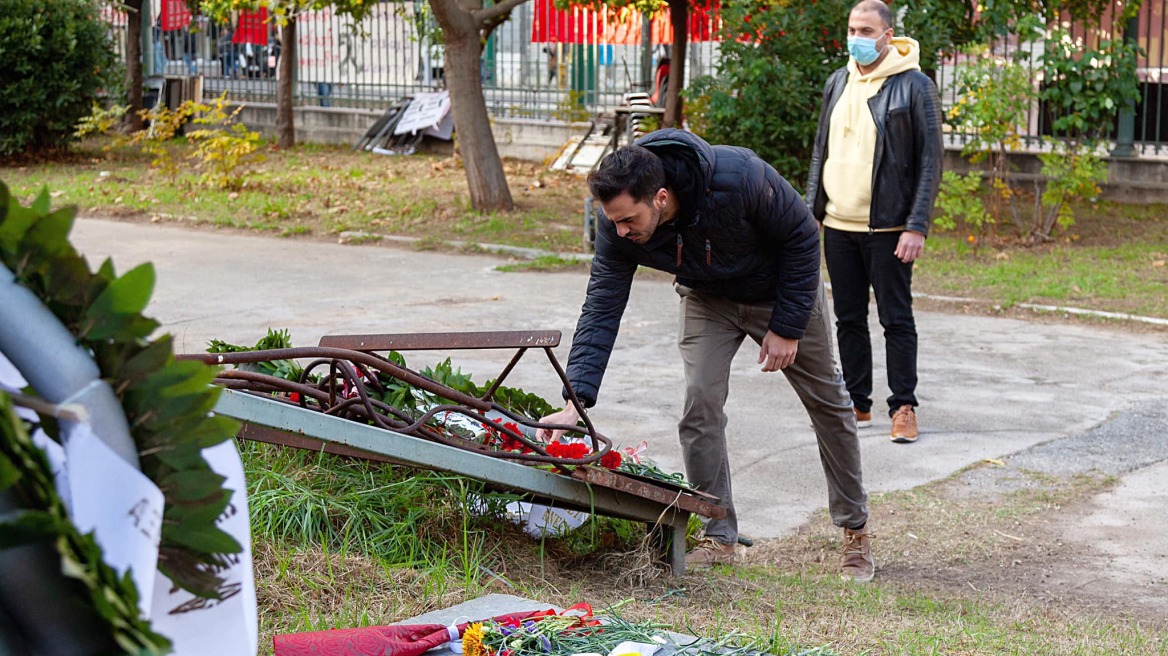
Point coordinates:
[[472, 126], [476, 143], [285, 130], [133, 118], [679, 19]]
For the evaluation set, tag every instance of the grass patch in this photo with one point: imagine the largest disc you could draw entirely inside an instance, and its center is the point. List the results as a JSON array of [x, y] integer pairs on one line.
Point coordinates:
[[543, 263], [1114, 258], [315, 190]]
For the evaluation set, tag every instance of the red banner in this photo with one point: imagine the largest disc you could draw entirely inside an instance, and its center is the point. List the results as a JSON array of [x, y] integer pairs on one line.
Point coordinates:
[[617, 26], [175, 15], [252, 27]]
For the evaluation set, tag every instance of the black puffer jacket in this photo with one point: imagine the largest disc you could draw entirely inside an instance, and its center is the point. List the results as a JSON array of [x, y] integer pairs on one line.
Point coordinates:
[[906, 174], [752, 239]]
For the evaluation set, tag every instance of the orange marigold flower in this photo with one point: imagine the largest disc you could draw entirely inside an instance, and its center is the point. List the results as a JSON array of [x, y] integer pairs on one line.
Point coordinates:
[[472, 641]]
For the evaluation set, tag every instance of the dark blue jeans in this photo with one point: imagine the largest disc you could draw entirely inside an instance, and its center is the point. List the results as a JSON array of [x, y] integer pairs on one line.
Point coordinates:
[[857, 261]]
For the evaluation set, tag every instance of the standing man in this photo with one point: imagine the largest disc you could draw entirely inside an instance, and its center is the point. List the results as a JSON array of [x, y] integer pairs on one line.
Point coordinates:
[[875, 171], [745, 251]]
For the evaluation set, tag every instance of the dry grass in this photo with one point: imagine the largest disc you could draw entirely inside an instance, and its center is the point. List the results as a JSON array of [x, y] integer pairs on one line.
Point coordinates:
[[953, 578]]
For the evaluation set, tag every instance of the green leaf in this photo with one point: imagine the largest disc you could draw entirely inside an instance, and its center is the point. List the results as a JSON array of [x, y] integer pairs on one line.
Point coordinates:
[[21, 527], [193, 485], [148, 360], [120, 303], [41, 204], [17, 221], [50, 232]]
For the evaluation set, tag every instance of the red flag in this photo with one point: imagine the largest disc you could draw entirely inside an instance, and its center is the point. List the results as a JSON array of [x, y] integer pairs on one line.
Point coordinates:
[[252, 27], [175, 15]]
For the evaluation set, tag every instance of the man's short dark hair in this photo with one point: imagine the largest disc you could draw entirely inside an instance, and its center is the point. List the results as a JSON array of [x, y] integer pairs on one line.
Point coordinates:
[[632, 169], [877, 6]]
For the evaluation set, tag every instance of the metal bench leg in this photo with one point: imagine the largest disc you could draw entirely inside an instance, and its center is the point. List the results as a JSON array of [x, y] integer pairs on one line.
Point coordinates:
[[669, 540]]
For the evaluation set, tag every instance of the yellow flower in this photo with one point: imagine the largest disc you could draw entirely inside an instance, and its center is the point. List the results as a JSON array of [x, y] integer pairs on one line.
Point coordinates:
[[472, 641]]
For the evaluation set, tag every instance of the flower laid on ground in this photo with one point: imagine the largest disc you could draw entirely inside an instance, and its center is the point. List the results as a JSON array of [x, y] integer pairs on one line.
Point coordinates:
[[503, 440], [572, 450], [611, 460], [472, 641], [577, 631]]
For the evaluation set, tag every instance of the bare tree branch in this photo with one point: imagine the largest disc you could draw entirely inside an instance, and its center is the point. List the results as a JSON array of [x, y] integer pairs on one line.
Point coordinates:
[[500, 9]]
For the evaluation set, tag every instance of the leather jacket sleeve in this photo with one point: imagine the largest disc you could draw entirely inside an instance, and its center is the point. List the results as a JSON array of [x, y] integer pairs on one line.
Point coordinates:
[[926, 113], [815, 203]]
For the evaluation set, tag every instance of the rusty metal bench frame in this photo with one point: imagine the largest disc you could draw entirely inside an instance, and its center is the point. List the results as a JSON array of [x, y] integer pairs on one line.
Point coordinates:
[[666, 509]]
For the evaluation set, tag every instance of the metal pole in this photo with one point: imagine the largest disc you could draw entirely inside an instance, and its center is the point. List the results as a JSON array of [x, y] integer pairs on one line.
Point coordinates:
[[146, 36], [1126, 135], [647, 53]]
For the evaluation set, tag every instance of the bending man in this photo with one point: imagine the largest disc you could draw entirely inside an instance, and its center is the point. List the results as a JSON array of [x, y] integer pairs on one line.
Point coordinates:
[[745, 250]]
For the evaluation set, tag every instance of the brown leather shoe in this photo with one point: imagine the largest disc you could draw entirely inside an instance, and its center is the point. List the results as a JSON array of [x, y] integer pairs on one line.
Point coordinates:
[[904, 424], [863, 419], [710, 552], [856, 563]]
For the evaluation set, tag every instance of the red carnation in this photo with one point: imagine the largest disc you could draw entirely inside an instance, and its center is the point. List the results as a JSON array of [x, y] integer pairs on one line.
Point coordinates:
[[610, 460]]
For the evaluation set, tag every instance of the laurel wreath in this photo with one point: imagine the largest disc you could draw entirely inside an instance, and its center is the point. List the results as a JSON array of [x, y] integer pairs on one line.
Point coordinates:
[[167, 404]]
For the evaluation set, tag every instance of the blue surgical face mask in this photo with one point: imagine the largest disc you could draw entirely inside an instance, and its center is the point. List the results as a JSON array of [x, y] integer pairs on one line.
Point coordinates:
[[863, 49]]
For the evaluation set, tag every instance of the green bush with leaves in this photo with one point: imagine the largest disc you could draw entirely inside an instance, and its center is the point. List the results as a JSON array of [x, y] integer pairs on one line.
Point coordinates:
[[226, 149], [960, 199], [776, 57], [1080, 84], [57, 59]]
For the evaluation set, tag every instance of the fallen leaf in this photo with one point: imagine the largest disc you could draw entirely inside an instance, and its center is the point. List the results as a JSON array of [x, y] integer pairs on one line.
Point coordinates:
[[1158, 263], [233, 195], [1077, 290], [994, 461], [1001, 255]]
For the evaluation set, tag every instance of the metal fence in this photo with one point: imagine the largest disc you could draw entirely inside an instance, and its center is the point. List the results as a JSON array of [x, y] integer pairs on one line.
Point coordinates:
[[542, 63], [1144, 131]]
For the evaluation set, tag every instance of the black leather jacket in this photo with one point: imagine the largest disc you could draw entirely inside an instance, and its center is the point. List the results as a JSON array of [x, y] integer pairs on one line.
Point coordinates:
[[907, 172], [751, 239]]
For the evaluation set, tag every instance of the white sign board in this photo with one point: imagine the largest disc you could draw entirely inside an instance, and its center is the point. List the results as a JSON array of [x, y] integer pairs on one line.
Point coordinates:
[[424, 111]]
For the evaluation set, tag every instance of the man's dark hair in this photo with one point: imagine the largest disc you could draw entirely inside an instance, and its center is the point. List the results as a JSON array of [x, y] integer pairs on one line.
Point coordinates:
[[631, 169], [877, 6]]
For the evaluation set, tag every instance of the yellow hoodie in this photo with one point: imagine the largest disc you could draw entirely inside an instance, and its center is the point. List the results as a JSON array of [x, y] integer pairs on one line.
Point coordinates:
[[851, 139]]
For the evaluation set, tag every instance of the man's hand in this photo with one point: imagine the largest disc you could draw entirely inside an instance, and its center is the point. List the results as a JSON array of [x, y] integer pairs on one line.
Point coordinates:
[[910, 246], [777, 352], [567, 416]]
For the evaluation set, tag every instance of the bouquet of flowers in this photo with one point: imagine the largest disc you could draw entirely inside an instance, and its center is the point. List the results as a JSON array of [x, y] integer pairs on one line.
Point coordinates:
[[574, 631]]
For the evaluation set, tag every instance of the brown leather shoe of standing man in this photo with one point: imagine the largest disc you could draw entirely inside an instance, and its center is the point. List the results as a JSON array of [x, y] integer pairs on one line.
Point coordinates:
[[904, 425], [856, 563], [710, 552]]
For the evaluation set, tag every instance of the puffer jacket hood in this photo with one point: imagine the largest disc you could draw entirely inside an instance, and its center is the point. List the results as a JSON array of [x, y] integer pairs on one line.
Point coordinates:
[[742, 233]]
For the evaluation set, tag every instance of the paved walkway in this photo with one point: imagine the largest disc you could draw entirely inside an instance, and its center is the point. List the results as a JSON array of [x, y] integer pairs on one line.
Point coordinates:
[[989, 387]]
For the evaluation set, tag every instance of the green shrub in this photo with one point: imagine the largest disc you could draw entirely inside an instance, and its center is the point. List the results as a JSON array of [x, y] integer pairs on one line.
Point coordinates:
[[57, 58], [769, 86]]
